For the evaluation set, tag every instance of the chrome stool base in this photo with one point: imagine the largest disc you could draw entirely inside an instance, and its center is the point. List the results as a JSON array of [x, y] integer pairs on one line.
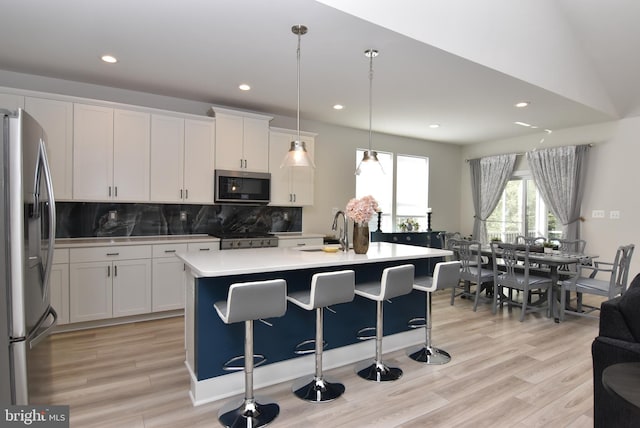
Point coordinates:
[[317, 390], [430, 355], [379, 372], [249, 414]]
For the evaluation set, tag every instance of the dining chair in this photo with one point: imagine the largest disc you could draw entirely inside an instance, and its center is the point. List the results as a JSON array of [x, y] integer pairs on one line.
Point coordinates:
[[571, 246], [538, 240], [585, 280], [515, 275], [472, 272]]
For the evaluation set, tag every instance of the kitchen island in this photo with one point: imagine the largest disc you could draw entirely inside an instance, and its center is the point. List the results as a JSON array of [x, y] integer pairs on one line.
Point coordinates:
[[210, 343]]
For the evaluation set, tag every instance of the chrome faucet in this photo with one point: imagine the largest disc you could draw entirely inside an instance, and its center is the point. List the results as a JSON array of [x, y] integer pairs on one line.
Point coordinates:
[[344, 239]]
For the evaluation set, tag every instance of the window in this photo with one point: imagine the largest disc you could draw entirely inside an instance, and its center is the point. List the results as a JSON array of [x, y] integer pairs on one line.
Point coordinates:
[[521, 211], [402, 191]]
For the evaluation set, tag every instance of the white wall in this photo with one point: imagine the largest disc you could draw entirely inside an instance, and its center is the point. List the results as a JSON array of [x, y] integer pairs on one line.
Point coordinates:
[[612, 176], [335, 149]]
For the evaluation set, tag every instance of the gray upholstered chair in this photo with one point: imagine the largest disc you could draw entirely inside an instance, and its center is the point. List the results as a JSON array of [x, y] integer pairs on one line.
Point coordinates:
[[396, 281], [445, 275], [328, 288], [472, 272], [514, 275], [612, 281], [247, 302]]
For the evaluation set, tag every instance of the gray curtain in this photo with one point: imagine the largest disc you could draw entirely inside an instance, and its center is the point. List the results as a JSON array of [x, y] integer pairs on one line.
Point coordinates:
[[559, 176], [489, 177]]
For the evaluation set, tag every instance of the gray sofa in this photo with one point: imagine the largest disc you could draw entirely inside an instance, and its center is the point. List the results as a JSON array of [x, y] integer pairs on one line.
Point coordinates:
[[618, 341]]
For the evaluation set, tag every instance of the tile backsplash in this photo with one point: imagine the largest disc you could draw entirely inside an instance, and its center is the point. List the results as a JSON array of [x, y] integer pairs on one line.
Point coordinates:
[[95, 219]]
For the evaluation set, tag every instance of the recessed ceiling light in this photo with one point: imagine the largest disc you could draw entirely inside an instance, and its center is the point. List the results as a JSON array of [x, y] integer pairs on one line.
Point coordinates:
[[522, 104], [110, 59], [434, 125], [244, 87], [338, 107], [522, 124]]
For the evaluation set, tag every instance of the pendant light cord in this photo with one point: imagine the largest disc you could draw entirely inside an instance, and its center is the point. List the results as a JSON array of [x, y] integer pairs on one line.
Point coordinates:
[[371, 55], [298, 112]]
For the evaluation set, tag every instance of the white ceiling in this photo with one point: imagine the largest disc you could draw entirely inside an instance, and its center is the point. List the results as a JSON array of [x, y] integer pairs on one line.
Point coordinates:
[[458, 63]]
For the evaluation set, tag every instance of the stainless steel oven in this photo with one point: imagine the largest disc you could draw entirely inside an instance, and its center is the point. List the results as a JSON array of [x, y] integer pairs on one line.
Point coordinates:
[[242, 187]]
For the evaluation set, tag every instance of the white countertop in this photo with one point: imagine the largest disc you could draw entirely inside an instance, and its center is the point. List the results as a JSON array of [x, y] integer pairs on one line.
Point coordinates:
[[246, 261], [132, 240]]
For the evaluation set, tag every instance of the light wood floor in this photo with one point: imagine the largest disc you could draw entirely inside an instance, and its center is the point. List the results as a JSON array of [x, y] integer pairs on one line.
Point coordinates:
[[503, 374]]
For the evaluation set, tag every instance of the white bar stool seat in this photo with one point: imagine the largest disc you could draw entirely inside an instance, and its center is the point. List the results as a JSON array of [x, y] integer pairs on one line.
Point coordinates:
[[445, 275], [247, 302], [328, 288], [396, 281]]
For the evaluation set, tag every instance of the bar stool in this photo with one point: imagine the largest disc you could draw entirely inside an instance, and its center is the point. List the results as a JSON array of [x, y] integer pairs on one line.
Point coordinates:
[[247, 302], [329, 288], [445, 275], [396, 281]]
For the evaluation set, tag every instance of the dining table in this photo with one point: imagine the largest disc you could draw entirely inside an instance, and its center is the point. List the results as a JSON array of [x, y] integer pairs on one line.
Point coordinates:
[[550, 264]]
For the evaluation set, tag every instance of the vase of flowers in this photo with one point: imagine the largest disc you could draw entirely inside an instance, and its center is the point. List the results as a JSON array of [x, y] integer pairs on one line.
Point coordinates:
[[360, 211]]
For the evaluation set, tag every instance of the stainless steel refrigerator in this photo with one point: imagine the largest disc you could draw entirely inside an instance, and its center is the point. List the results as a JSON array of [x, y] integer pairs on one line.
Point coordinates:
[[27, 234]]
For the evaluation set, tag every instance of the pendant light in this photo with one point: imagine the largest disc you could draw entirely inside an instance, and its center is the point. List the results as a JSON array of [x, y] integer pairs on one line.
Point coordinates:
[[297, 154], [370, 157]]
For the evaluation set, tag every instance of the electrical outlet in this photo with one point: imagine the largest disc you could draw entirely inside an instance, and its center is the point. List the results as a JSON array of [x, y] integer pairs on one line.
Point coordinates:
[[597, 214], [113, 215], [614, 215], [183, 216]]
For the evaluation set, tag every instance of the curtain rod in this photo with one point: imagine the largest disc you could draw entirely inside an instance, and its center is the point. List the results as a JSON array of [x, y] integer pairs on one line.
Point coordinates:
[[523, 153]]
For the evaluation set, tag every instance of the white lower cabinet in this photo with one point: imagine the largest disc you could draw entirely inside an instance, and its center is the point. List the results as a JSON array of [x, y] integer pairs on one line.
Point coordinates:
[[59, 283], [168, 284], [106, 282]]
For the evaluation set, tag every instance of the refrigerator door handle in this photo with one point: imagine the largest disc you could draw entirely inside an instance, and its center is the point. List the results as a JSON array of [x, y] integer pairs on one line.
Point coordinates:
[[40, 331], [44, 164]]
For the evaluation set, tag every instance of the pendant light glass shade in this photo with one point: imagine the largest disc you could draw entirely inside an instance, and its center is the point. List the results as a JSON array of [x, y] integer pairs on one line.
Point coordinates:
[[370, 162], [297, 154]]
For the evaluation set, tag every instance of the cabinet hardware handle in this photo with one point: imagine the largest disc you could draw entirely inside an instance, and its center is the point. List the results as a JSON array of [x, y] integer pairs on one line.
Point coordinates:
[[116, 191], [108, 271], [169, 251], [109, 191], [204, 249], [294, 197], [186, 194], [115, 270], [113, 254], [180, 193], [301, 245], [241, 163]]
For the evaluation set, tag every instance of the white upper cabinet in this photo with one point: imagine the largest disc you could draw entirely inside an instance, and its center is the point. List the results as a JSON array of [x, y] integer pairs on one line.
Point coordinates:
[[290, 185], [92, 152], [56, 117], [242, 141], [182, 159], [199, 147], [110, 154], [131, 144]]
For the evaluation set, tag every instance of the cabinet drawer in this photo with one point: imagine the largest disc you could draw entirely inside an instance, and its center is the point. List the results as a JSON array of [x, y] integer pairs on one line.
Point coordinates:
[[299, 242], [168, 250], [204, 246], [61, 255], [97, 254]]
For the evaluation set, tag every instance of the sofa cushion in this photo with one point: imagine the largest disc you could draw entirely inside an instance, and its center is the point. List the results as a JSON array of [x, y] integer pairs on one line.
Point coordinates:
[[629, 306]]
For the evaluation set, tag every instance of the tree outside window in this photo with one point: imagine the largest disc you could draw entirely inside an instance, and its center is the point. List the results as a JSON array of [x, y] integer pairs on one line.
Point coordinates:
[[408, 198], [521, 211]]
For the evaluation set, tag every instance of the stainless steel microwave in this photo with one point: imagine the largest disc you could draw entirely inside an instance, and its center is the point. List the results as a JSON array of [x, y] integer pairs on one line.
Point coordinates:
[[242, 187]]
